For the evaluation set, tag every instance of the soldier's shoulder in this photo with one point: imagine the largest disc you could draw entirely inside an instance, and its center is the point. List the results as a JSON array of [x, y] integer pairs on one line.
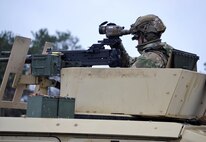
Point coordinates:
[[167, 47]]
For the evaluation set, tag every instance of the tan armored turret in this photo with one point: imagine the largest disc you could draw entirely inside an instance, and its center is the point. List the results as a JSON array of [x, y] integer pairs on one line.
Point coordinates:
[[175, 93]]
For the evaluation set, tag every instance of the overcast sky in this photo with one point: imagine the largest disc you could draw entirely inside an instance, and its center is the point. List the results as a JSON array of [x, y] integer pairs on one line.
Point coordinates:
[[185, 20]]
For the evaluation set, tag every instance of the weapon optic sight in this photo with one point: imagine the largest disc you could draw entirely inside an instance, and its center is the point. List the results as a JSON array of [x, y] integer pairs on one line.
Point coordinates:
[[112, 30]]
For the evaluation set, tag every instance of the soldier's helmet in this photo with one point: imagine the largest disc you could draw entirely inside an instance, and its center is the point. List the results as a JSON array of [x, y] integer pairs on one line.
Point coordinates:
[[151, 26]]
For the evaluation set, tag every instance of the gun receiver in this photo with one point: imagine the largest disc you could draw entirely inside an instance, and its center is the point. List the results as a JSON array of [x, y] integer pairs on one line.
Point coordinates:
[[95, 55]]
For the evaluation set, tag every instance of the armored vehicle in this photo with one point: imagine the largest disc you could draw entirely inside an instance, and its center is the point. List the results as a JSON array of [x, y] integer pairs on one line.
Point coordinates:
[[104, 104]]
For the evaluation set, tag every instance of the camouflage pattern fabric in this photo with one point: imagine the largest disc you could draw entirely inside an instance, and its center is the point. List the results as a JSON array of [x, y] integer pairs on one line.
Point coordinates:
[[153, 55], [150, 60]]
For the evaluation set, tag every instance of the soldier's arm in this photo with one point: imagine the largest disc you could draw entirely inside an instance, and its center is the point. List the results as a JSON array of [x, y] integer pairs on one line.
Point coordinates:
[[126, 60]]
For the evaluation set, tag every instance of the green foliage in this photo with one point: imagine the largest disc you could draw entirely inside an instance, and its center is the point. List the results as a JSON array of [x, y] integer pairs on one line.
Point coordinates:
[[61, 40], [6, 41]]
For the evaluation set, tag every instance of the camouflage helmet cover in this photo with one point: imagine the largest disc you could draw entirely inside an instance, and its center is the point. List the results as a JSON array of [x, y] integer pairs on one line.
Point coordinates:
[[148, 23]]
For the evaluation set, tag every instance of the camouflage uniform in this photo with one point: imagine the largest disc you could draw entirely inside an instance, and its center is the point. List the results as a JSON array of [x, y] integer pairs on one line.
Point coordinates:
[[153, 55]]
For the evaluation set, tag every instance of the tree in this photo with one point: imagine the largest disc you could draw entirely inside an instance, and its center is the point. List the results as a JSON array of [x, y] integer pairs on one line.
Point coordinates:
[[6, 41], [61, 40]]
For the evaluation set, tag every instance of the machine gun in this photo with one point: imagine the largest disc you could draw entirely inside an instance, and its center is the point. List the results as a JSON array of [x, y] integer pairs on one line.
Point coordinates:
[[95, 55], [50, 64]]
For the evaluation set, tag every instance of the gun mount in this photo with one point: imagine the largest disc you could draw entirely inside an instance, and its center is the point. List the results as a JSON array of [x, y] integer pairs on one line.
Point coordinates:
[[105, 104]]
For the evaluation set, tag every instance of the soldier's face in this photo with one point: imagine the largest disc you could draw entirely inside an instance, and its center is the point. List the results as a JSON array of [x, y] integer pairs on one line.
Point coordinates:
[[141, 40]]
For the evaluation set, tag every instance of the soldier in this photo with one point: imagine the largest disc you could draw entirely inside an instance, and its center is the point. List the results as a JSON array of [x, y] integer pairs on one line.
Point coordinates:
[[147, 30]]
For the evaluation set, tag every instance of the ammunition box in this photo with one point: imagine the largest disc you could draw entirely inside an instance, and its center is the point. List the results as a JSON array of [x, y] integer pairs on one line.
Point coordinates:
[[45, 65], [50, 107], [184, 60], [42, 106], [66, 107]]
